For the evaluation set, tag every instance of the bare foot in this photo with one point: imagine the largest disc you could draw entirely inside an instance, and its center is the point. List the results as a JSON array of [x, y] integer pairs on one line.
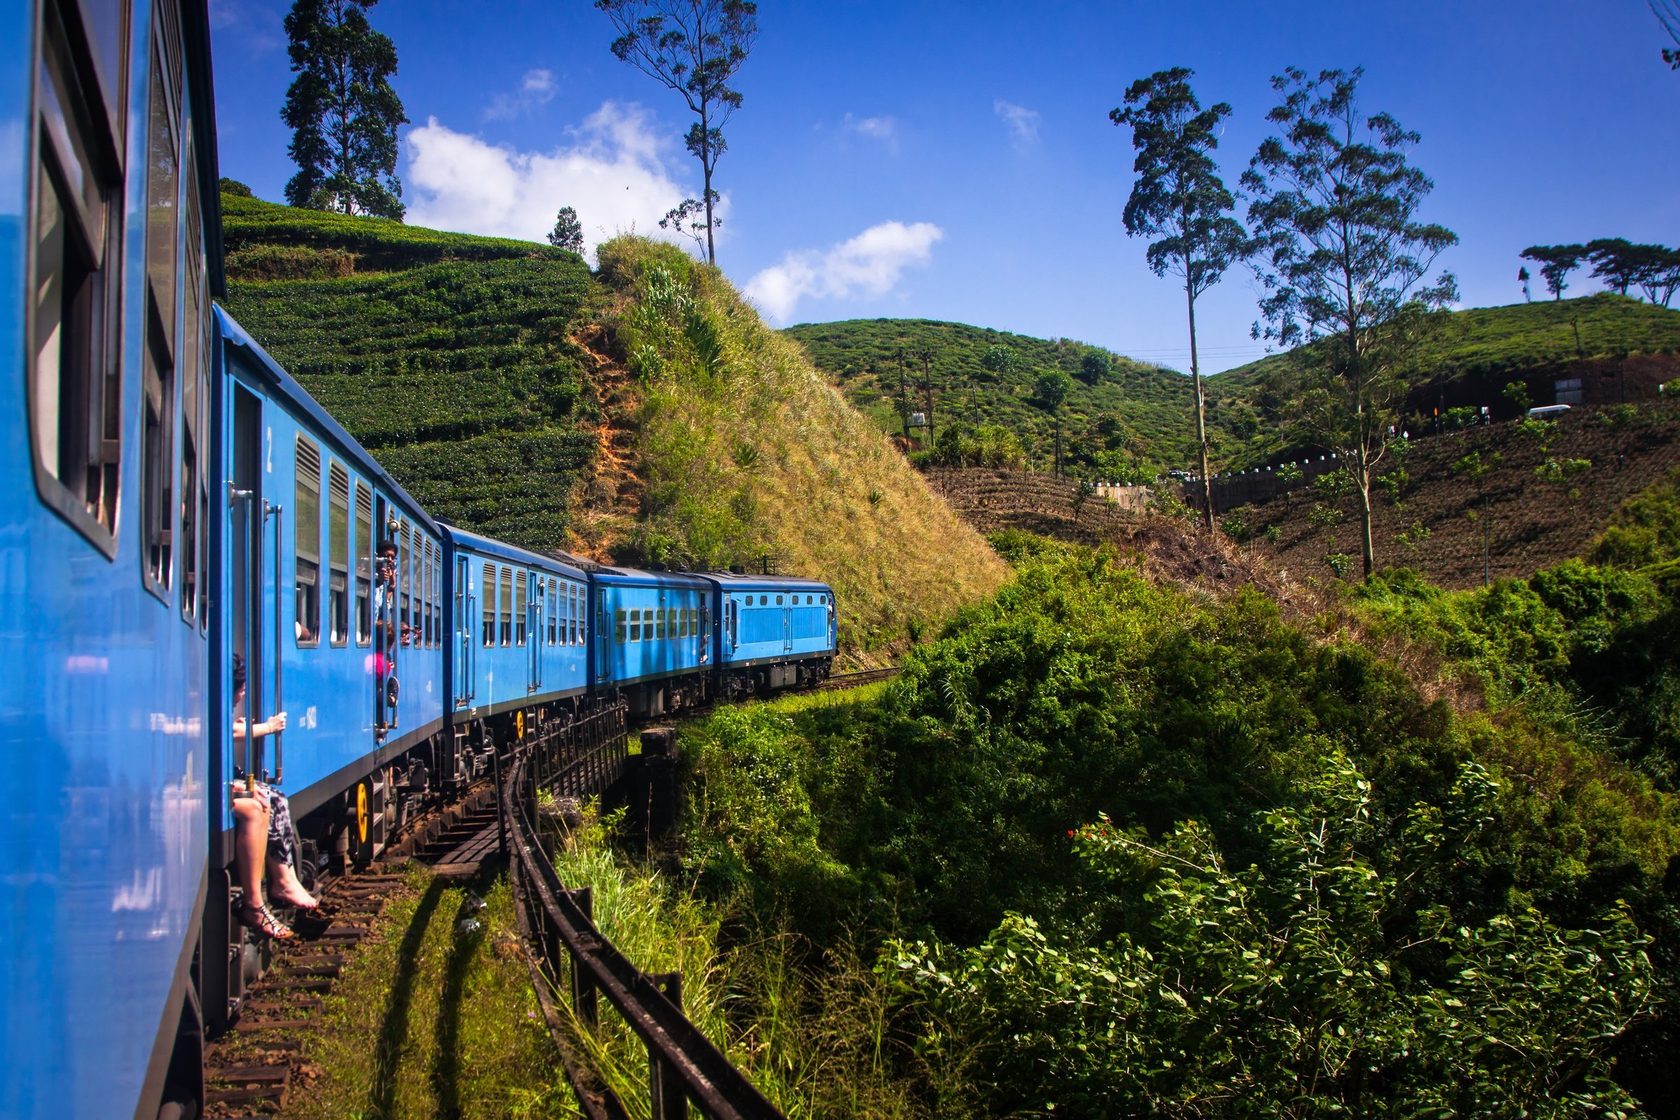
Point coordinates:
[[284, 887]]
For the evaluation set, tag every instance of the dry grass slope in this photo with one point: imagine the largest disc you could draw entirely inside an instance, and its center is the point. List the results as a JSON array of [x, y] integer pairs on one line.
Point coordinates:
[[746, 452]]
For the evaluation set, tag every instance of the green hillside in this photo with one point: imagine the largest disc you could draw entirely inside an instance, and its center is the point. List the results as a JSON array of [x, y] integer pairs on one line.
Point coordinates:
[[1136, 419], [1249, 405], [447, 356], [1132, 420], [642, 416]]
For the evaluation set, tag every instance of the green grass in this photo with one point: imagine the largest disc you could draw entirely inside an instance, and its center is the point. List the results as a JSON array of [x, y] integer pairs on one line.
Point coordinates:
[[431, 1019], [810, 1028]]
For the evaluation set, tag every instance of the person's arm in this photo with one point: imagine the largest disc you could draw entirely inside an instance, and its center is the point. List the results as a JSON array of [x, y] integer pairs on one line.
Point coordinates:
[[276, 722]]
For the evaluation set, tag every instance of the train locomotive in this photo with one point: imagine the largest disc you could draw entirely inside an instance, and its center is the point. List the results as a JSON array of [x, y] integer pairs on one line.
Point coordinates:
[[173, 499]]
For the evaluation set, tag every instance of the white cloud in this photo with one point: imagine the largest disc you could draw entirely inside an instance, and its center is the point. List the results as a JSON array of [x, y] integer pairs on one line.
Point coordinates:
[[1021, 122], [536, 89], [868, 265], [884, 129], [613, 174]]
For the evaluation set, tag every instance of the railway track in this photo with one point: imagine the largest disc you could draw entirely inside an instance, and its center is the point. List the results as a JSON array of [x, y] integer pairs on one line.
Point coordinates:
[[252, 1070], [861, 677]]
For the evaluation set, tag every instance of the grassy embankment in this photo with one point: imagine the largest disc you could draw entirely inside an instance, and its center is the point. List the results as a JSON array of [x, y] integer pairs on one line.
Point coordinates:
[[747, 452], [434, 1017]]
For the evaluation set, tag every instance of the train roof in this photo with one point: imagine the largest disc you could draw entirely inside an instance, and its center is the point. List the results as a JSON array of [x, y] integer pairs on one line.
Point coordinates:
[[490, 546], [735, 581], [287, 387], [635, 577]]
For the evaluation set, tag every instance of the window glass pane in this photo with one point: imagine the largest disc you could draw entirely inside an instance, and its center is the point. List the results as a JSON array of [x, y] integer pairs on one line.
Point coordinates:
[[364, 565], [507, 606], [620, 634], [306, 536], [338, 551], [157, 466], [521, 608], [163, 176], [487, 588]]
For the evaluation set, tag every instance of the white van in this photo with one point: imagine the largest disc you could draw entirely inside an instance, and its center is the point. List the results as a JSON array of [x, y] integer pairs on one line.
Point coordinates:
[[1547, 411]]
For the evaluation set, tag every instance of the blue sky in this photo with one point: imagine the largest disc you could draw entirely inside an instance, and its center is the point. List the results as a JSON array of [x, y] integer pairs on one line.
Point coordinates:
[[955, 160]]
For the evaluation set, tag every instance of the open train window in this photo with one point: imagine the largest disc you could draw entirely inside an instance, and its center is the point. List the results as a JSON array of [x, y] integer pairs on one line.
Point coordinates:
[[488, 585], [577, 616], [75, 381], [158, 401], [338, 555], [306, 533], [437, 595], [364, 564]]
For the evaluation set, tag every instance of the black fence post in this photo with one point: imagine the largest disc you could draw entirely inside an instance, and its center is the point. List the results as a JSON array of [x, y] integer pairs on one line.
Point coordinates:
[[665, 1084], [583, 989]]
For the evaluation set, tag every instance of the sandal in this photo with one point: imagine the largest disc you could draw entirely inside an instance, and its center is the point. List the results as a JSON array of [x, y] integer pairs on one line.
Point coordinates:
[[260, 920]]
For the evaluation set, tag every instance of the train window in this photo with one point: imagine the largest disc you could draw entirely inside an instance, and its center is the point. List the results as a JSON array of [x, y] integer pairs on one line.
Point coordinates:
[[405, 584], [163, 166], [429, 599], [75, 384], [554, 608], [577, 615], [778, 600], [306, 535], [620, 633], [507, 606], [488, 587], [364, 565], [195, 413], [338, 555], [437, 595], [520, 608]]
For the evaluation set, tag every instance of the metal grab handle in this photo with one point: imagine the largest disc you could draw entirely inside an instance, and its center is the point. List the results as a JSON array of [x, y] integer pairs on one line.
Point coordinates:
[[274, 511]]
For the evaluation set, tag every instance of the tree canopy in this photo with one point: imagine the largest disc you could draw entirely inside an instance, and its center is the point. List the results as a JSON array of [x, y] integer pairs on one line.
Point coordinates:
[[1345, 259], [1556, 263], [342, 110], [1179, 198], [567, 232], [694, 48]]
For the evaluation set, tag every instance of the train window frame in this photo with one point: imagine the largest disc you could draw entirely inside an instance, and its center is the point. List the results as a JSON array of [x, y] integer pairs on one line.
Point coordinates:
[[521, 606], [194, 555], [487, 583], [437, 595], [306, 592], [363, 547], [338, 554], [505, 595], [74, 253], [620, 626], [555, 609]]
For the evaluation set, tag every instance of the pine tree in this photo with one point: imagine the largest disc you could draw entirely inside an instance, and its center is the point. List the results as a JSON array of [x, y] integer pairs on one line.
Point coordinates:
[[567, 232], [342, 110]]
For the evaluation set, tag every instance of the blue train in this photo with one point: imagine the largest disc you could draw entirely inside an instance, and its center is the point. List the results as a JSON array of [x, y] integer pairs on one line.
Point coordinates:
[[170, 498]]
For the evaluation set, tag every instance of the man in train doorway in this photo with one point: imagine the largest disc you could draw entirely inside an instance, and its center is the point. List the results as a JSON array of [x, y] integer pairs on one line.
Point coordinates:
[[384, 624]]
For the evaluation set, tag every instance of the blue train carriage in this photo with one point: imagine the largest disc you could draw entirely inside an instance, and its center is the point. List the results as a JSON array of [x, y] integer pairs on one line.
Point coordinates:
[[330, 580], [773, 632], [652, 639], [517, 656], [109, 258]]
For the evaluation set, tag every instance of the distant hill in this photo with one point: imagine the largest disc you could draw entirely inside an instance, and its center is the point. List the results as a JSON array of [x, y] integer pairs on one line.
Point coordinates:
[[1136, 413], [1468, 365], [645, 415], [1138, 416]]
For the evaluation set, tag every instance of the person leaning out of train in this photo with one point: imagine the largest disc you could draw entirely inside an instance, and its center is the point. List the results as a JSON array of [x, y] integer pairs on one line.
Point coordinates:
[[263, 834]]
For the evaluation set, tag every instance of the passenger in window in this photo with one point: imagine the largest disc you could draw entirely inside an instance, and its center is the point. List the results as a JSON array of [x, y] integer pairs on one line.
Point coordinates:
[[384, 607], [262, 831]]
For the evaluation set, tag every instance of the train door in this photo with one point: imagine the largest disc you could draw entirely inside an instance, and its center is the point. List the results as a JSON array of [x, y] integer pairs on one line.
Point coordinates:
[[533, 632], [466, 611], [787, 627], [246, 530]]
